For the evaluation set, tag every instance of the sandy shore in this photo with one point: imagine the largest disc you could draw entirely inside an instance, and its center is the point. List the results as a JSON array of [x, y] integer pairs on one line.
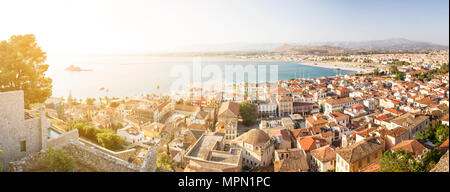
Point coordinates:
[[330, 65], [335, 65]]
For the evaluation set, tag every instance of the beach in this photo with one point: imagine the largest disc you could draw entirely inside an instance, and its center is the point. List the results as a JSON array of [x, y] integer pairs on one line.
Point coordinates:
[[340, 65], [121, 76]]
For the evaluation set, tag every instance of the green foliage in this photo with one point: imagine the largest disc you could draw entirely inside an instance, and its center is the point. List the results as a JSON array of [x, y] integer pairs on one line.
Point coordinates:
[[427, 76], [248, 113], [398, 161], [436, 135], [424, 136], [164, 160], [58, 161], [430, 159], [400, 76], [114, 104], [297, 125], [444, 68], [105, 137], [396, 62], [246, 168], [376, 72], [116, 125], [88, 131], [401, 161], [441, 134], [90, 101], [70, 124], [212, 128], [110, 140], [22, 68]]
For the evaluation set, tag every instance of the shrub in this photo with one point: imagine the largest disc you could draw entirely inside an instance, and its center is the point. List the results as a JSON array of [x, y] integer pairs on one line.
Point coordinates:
[[110, 140], [59, 161]]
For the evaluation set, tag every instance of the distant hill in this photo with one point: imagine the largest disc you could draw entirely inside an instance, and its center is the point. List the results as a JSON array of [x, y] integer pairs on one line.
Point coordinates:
[[395, 44], [316, 50], [386, 44]]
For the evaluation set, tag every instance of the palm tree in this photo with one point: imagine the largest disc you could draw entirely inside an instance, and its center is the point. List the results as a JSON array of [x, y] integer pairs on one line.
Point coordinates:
[[90, 102], [157, 88]]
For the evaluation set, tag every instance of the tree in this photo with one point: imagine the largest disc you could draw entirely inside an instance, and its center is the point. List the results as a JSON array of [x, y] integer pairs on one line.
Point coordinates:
[[393, 69], [444, 68], [436, 135], [59, 161], [22, 68], [115, 125], [90, 101], [164, 159], [322, 108], [376, 72], [400, 76], [441, 133], [424, 136], [111, 140], [430, 159], [114, 104], [398, 161], [248, 113]]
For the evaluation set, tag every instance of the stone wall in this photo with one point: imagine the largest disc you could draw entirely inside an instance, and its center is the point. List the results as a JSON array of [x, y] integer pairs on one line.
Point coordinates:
[[90, 157], [101, 161], [150, 161], [63, 138], [125, 155], [29, 163], [14, 129]]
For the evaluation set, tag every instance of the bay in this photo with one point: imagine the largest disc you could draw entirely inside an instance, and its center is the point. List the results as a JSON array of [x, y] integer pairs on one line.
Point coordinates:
[[129, 75]]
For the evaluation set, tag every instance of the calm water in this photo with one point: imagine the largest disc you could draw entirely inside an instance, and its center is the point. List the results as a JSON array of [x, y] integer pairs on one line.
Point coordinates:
[[132, 75]]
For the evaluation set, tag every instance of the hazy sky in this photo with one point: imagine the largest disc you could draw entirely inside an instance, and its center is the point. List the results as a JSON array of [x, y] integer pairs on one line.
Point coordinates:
[[137, 26]]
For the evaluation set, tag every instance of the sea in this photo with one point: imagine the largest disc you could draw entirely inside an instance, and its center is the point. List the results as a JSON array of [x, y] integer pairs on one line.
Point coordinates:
[[130, 75]]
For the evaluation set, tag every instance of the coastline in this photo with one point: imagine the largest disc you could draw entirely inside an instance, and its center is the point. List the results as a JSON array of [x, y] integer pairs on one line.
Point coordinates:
[[329, 65], [342, 66]]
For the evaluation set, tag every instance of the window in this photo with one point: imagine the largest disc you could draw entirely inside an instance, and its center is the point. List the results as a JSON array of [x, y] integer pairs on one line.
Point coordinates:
[[23, 146]]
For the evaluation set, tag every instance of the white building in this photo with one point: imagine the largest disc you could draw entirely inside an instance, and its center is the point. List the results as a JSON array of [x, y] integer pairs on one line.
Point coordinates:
[[132, 135], [257, 148]]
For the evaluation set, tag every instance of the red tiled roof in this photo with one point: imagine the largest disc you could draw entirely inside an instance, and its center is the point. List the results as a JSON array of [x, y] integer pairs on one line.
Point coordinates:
[[310, 143], [411, 146]]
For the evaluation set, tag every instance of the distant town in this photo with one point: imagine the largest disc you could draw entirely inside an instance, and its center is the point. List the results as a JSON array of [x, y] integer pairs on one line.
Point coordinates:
[[392, 116]]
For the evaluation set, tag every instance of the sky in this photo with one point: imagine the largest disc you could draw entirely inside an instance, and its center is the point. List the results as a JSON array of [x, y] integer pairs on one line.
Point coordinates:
[[141, 26]]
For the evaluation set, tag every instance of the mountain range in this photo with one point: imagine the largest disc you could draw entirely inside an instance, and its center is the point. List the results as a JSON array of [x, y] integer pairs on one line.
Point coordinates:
[[386, 44]]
